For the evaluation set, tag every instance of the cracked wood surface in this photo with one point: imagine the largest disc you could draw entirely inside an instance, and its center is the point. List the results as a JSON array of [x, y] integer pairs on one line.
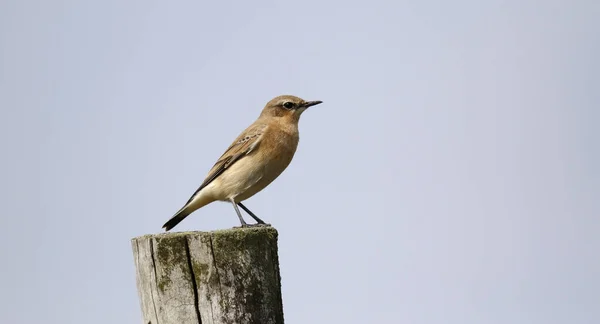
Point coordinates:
[[222, 277]]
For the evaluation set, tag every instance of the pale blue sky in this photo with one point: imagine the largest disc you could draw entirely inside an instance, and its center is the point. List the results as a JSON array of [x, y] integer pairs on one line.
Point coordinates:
[[451, 175]]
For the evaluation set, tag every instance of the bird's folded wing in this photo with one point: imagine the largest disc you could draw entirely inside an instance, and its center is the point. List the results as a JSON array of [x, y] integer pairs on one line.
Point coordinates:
[[243, 145]]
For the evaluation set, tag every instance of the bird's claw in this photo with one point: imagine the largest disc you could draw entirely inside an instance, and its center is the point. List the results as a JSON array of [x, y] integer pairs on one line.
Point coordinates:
[[253, 225]]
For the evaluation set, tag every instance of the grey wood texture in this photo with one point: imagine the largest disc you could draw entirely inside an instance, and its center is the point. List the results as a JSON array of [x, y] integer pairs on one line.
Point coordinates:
[[222, 277]]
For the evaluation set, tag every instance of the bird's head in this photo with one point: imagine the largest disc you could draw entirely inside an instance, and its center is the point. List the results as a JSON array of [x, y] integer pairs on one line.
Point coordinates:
[[287, 106]]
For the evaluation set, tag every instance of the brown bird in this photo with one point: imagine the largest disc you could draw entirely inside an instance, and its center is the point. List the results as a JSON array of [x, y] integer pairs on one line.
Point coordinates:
[[256, 158]]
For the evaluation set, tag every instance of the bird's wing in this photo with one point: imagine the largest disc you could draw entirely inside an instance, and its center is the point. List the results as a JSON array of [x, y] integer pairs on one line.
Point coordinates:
[[243, 145]]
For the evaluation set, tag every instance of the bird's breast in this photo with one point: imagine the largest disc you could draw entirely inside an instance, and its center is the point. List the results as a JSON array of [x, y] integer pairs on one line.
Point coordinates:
[[269, 160], [277, 150]]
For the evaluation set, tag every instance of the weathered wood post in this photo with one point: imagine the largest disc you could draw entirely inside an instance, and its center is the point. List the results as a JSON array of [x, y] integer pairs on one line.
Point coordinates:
[[222, 277]]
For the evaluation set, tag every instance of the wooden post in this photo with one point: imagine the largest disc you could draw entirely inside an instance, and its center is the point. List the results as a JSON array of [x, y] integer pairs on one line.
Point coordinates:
[[222, 277]]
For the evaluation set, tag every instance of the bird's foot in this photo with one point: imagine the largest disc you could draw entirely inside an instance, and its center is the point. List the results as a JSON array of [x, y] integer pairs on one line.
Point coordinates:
[[252, 225]]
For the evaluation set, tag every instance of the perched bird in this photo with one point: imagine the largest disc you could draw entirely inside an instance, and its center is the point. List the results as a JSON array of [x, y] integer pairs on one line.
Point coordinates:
[[256, 157]]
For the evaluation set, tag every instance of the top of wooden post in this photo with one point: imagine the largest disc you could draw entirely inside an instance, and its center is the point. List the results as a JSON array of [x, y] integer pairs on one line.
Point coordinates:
[[238, 232]]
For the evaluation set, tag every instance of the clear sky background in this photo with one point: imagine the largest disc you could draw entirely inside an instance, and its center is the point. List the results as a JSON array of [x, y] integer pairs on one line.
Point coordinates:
[[451, 175]]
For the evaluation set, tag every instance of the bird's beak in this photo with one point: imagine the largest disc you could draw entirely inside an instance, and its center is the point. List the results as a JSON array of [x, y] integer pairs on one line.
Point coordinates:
[[311, 103]]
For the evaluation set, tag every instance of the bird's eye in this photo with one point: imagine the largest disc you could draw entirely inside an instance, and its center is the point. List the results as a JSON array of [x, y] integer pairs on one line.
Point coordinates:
[[288, 105]]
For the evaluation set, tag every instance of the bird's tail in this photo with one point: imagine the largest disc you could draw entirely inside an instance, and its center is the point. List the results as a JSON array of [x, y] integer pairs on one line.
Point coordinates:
[[177, 218], [198, 201]]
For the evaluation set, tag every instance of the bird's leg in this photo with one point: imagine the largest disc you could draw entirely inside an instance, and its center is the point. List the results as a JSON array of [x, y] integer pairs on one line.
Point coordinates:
[[244, 224], [258, 220]]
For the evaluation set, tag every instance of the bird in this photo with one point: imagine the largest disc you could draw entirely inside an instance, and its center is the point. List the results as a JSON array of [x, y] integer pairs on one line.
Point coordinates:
[[254, 159]]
